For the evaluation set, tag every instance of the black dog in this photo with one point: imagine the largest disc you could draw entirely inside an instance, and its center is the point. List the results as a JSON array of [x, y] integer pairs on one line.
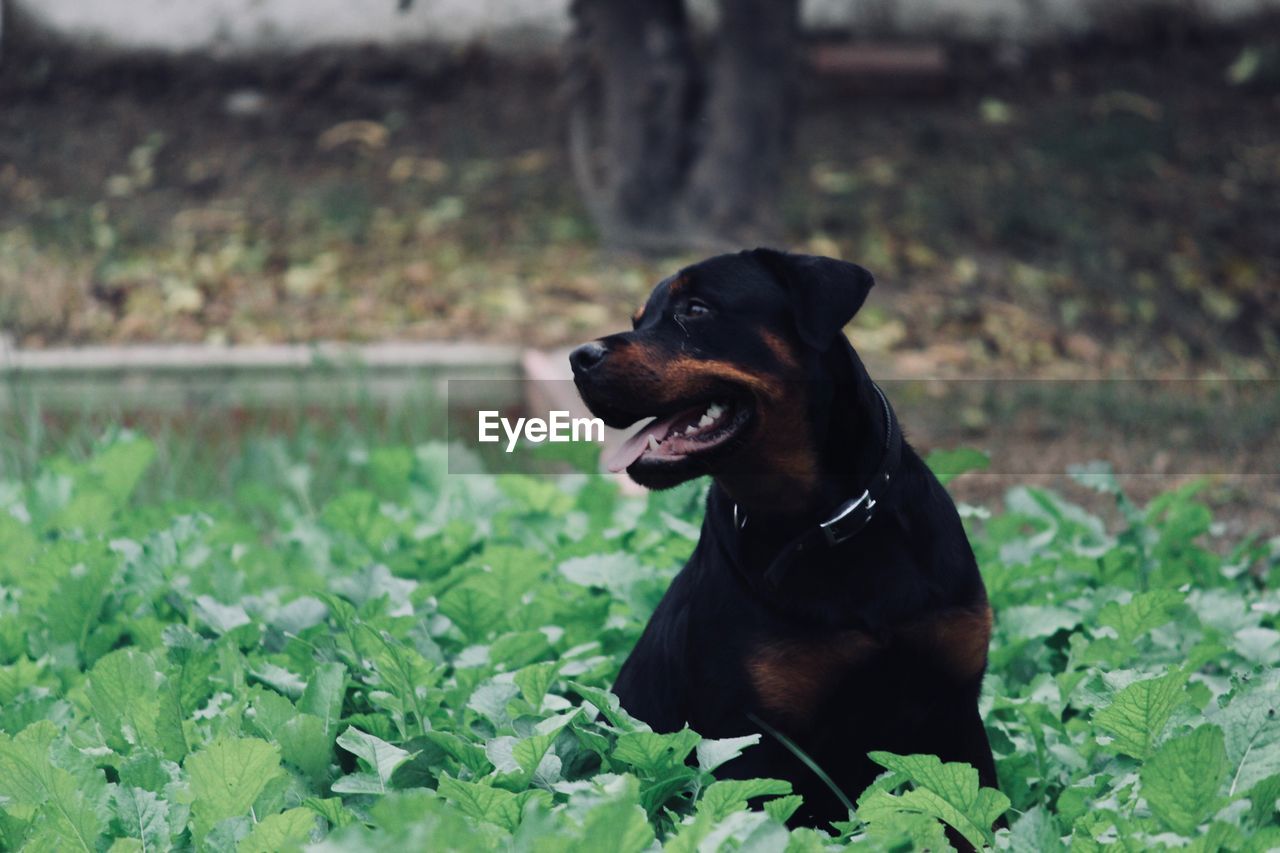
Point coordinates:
[[833, 594]]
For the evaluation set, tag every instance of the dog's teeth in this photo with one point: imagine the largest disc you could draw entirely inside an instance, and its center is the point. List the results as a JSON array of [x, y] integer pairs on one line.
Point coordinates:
[[690, 429], [653, 443], [706, 420], [715, 410]]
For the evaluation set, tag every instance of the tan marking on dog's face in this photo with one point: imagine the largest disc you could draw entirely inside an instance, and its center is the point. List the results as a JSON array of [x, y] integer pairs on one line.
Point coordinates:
[[689, 376], [638, 316], [778, 461], [781, 350], [792, 677]]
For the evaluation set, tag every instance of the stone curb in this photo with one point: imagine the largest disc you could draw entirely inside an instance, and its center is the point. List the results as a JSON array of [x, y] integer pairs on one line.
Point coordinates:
[[171, 377], [194, 357]]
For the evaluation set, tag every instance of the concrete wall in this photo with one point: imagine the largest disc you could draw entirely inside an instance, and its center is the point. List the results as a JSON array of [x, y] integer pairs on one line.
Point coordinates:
[[226, 27]]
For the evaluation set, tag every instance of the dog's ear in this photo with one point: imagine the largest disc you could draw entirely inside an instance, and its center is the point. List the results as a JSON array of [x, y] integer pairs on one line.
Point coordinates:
[[825, 293]]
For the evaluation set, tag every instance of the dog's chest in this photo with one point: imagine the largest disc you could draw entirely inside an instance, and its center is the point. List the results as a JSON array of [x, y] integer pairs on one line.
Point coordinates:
[[792, 675]]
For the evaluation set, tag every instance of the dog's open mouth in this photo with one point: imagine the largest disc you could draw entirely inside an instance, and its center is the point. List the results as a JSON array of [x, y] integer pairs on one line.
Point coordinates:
[[681, 436]]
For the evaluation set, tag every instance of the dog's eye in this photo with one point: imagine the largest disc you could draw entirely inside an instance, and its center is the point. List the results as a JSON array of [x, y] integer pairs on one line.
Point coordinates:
[[697, 308]]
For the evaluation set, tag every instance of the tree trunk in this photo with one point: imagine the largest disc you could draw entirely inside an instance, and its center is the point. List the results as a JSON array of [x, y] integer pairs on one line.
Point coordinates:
[[633, 79], [660, 163]]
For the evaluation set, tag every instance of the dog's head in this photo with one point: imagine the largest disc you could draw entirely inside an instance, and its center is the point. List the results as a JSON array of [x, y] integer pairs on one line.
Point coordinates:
[[722, 357]]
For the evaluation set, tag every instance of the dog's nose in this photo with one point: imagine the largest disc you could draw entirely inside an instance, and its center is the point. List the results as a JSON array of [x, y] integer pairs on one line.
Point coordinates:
[[586, 356]]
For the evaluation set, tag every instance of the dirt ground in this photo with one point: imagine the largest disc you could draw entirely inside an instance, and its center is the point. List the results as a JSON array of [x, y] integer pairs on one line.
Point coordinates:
[[1101, 210], [1101, 207]]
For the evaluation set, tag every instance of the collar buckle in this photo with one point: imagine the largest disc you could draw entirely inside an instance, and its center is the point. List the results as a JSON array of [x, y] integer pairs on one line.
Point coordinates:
[[844, 524]]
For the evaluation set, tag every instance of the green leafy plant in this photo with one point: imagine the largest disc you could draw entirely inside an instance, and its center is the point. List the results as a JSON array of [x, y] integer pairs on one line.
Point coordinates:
[[423, 661]]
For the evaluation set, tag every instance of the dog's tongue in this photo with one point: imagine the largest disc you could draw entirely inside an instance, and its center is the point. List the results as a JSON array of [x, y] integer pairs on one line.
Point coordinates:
[[631, 449]]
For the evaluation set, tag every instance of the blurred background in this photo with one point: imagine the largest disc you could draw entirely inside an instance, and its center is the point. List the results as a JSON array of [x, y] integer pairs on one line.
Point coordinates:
[[1046, 191]]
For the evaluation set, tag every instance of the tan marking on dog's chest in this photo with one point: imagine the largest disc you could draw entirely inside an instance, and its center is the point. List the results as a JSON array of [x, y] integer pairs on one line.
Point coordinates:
[[957, 640], [791, 677]]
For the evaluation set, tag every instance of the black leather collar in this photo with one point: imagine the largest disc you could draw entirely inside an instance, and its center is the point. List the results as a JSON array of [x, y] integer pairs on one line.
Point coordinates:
[[848, 519]]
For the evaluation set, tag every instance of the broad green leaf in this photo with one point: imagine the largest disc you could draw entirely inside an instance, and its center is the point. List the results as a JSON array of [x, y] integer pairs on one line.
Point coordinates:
[[1036, 831], [404, 672], [305, 744], [483, 802], [523, 761], [381, 757], [730, 795], [289, 830], [1137, 715], [1218, 837], [1264, 798], [146, 769], [226, 777], [123, 697], [66, 818], [75, 607], [226, 835], [332, 810], [782, 808], [222, 618], [609, 707], [466, 753], [652, 753], [192, 662], [278, 678], [490, 700], [142, 815], [1034, 622], [715, 752], [127, 845], [616, 572], [535, 680], [270, 711], [949, 792], [1182, 780], [18, 676], [324, 694], [415, 820], [622, 822], [476, 611], [359, 783], [518, 648], [516, 759], [1262, 841], [1250, 725], [359, 514], [1257, 645], [1145, 611], [889, 828]]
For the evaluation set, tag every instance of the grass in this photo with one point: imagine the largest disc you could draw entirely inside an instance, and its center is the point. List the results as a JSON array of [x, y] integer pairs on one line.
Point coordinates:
[[232, 455]]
